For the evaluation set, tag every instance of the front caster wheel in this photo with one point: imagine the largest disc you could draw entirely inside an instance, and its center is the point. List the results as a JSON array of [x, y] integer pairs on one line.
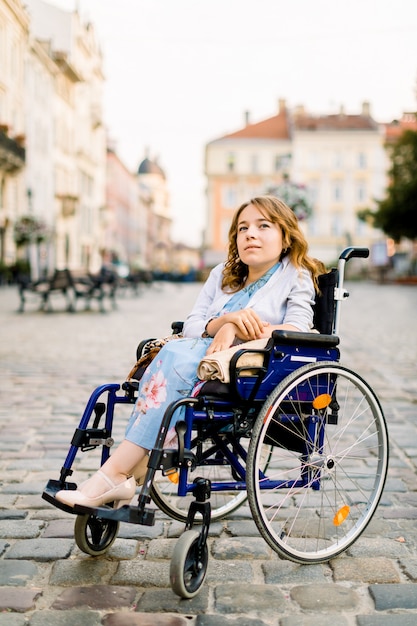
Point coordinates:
[[188, 565], [93, 535]]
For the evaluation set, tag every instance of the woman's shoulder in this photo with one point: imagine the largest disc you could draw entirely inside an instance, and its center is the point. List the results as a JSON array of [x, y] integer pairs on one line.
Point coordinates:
[[217, 272]]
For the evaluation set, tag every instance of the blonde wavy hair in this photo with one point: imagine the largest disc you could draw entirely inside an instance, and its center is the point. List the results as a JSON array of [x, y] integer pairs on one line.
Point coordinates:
[[294, 244]]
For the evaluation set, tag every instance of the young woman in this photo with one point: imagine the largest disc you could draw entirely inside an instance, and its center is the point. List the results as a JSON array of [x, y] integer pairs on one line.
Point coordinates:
[[268, 282]]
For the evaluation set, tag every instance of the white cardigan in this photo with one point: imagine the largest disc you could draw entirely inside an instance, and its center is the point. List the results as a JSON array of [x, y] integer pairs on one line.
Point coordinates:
[[286, 298]]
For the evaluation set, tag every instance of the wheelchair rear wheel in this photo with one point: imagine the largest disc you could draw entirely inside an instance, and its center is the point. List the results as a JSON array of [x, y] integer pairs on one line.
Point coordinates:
[[328, 464]]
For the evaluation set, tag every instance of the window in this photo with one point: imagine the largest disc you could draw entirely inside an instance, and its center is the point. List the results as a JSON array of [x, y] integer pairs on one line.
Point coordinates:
[[361, 192], [337, 191], [361, 160], [338, 160], [231, 161], [229, 197], [282, 162], [254, 165], [337, 224]]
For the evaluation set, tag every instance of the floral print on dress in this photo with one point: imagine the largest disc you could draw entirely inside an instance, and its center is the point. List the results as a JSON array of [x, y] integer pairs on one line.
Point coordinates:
[[153, 394]]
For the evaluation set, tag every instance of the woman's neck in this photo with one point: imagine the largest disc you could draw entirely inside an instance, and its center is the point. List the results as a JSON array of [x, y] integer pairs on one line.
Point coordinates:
[[254, 273]]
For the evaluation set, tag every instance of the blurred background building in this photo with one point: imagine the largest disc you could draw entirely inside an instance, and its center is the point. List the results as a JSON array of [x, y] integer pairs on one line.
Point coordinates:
[[68, 200]]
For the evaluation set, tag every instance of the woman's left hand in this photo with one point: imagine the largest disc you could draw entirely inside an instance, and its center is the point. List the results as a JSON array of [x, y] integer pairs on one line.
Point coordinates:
[[223, 339]]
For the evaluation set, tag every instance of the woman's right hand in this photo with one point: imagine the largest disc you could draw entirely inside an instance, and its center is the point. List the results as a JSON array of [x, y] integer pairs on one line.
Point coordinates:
[[248, 323]]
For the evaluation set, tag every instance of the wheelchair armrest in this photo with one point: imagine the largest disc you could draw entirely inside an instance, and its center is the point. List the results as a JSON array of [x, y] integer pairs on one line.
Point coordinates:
[[292, 337]]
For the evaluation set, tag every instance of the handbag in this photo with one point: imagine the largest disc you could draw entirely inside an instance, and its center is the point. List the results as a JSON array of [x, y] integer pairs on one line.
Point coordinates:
[[149, 352]]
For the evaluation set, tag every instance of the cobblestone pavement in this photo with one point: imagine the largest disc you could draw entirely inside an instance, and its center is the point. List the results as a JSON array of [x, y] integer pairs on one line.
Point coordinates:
[[50, 363]]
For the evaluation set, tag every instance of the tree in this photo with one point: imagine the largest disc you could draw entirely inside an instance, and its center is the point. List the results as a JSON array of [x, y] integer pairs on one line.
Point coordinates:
[[397, 212]]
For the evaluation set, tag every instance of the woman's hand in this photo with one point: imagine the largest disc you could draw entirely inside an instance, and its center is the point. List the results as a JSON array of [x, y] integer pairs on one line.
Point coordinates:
[[223, 339], [248, 324]]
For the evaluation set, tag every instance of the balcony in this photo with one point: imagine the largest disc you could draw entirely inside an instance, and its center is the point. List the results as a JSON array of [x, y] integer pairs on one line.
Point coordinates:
[[12, 153]]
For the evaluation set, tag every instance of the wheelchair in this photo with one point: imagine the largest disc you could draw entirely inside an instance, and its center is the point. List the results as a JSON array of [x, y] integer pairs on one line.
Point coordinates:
[[300, 436]]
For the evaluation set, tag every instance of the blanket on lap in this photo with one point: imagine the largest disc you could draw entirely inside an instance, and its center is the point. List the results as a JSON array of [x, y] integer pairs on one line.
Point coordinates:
[[216, 366]]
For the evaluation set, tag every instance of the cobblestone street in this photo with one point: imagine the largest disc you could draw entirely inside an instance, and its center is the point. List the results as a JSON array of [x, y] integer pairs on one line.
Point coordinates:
[[51, 362]]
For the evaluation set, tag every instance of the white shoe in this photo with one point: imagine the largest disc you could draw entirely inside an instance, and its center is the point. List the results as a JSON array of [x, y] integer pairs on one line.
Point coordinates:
[[120, 494]]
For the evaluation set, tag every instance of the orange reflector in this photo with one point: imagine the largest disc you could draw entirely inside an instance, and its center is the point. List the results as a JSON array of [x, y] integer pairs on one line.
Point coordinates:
[[174, 477], [341, 515], [322, 401]]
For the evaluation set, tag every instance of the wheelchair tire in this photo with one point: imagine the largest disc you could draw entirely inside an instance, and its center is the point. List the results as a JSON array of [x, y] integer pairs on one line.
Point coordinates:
[[188, 568], [328, 465], [93, 535]]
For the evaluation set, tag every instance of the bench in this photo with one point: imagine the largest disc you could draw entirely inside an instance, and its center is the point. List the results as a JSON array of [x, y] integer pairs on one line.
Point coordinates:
[[72, 287]]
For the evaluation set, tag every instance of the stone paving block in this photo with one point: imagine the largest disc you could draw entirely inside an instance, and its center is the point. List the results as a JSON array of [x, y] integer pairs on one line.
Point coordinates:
[[12, 514], [376, 546], [228, 571], [124, 549], [410, 567], [17, 573], [313, 620], [168, 602], [3, 546], [81, 572], [286, 573], [221, 620], [13, 619], [401, 513], [137, 531], [325, 598], [387, 620], [367, 570], [388, 597], [145, 619], [18, 599], [40, 549], [96, 597], [59, 528], [65, 618], [160, 548], [142, 573], [20, 529], [261, 600], [244, 528], [234, 548], [49, 513]]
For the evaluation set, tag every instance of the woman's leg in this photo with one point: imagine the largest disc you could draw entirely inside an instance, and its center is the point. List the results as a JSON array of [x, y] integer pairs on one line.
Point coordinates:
[[127, 460], [113, 482]]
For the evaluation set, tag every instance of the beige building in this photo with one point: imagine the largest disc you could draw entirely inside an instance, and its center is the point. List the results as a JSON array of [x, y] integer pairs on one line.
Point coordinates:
[[14, 30], [339, 158], [66, 139]]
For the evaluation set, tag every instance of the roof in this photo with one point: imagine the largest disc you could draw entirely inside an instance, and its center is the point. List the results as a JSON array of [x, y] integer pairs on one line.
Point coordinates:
[[150, 167], [276, 127], [394, 129], [339, 121]]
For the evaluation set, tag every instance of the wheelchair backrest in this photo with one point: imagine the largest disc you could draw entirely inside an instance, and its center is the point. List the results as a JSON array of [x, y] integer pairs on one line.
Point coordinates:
[[325, 304]]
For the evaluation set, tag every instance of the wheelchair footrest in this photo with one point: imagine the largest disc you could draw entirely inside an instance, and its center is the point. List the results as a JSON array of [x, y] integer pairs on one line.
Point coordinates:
[[129, 514], [52, 488]]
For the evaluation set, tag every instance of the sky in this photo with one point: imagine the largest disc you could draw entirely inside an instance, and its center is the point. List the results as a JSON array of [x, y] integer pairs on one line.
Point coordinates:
[[181, 73]]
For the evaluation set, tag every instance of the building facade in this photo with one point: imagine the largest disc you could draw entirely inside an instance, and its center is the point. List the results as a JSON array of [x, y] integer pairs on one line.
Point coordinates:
[[14, 33], [340, 159]]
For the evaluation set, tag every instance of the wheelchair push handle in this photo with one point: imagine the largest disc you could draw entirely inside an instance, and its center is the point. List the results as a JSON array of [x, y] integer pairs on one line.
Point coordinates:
[[340, 293], [350, 253]]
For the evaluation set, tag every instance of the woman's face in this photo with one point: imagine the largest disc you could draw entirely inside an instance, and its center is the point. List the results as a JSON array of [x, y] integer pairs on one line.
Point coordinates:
[[259, 241]]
